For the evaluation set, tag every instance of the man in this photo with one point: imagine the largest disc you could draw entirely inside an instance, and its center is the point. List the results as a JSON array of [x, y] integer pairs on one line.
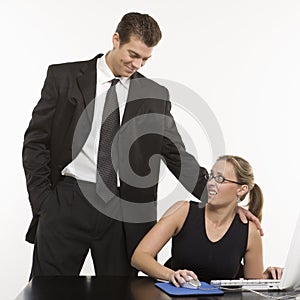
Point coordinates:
[[68, 161]]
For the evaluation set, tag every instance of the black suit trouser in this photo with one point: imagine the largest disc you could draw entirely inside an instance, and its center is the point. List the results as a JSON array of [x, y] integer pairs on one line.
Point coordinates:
[[69, 226]]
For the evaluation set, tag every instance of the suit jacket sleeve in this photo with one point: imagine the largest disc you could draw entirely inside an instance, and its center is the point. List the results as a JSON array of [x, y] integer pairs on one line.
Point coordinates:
[[182, 164], [36, 146]]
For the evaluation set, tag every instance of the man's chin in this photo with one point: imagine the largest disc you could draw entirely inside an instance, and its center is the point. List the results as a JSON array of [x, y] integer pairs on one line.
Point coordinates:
[[128, 72], [127, 75], [124, 74]]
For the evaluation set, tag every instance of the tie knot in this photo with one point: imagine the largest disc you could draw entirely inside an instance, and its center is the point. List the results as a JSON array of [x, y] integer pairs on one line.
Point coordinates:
[[114, 81]]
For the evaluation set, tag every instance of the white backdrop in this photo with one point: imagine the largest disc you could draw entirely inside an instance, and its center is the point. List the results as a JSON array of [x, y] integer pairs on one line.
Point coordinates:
[[241, 57]]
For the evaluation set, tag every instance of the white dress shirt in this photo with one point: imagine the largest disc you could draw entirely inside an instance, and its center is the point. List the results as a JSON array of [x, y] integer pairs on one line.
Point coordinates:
[[84, 166]]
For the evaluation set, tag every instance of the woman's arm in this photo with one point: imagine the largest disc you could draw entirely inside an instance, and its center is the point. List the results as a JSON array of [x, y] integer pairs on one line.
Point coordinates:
[[144, 255], [254, 254]]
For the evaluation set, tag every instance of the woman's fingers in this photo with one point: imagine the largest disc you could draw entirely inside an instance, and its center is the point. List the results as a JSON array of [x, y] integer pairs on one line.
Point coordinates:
[[179, 277]]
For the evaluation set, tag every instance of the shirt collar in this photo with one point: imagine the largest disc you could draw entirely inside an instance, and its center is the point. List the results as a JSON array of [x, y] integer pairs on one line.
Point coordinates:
[[105, 74]]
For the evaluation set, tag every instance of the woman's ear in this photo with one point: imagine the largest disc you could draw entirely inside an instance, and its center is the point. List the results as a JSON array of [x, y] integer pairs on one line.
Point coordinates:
[[243, 190]]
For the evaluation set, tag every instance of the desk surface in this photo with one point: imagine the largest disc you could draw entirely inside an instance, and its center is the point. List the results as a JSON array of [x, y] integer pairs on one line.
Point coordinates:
[[109, 288]]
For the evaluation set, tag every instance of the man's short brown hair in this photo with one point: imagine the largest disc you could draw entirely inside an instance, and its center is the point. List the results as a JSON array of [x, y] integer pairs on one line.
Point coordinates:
[[141, 25]]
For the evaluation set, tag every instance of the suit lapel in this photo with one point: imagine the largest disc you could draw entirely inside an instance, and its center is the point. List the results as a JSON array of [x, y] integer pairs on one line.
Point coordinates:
[[87, 83], [135, 97], [84, 93]]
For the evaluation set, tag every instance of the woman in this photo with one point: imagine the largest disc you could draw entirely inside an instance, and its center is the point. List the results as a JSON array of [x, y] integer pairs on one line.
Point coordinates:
[[209, 242]]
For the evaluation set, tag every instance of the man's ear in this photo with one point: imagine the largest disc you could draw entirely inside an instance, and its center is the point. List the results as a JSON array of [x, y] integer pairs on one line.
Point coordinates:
[[243, 190], [116, 40]]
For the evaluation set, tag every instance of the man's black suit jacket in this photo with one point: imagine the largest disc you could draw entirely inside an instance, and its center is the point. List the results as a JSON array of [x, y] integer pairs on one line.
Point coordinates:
[[49, 143]]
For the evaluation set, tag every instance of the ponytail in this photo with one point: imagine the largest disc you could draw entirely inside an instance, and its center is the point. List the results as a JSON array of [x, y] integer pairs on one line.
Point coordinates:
[[256, 201]]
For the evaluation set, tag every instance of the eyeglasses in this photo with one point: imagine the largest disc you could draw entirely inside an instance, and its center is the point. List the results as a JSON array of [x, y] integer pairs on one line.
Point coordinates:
[[220, 179]]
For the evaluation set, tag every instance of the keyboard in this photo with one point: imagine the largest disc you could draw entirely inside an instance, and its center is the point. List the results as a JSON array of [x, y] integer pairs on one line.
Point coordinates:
[[247, 284]]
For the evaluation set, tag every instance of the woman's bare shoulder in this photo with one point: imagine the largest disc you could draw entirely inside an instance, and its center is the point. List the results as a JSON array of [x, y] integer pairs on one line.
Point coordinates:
[[178, 208], [176, 215]]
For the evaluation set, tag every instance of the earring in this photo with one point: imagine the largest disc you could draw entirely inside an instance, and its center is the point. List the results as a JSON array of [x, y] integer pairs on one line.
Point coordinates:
[[238, 200]]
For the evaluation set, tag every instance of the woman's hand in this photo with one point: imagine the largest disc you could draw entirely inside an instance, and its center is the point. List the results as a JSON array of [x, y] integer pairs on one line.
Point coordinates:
[[179, 277], [273, 273]]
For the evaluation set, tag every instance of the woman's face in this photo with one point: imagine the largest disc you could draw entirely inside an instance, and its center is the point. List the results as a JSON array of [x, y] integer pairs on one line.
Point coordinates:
[[223, 193]]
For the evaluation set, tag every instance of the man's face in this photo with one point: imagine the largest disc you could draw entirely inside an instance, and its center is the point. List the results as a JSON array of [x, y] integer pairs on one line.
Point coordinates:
[[128, 58]]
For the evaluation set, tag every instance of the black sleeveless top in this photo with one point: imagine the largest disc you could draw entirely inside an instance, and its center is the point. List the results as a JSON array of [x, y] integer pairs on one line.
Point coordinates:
[[192, 250]]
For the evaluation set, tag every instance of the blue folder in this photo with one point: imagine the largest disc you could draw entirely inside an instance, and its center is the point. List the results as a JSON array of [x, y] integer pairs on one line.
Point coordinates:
[[205, 289]]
